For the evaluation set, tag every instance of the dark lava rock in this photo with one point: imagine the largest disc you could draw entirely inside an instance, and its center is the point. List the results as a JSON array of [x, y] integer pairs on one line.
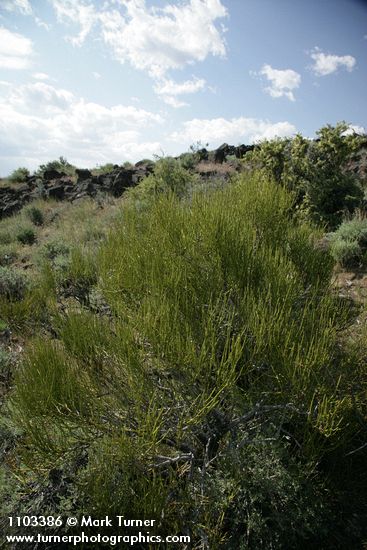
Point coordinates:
[[9, 208], [52, 174], [241, 150], [85, 187], [223, 151], [83, 174], [122, 181], [56, 192]]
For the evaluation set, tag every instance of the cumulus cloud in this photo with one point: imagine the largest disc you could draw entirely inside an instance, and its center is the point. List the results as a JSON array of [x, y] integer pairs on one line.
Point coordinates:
[[40, 76], [77, 12], [39, 122], [216, 130], [325, 64], [173, 101], [15, 50], [170, 87], [40, 97], [282, 82], [168, 90], [355, 129], [150, 38], [23, 6]]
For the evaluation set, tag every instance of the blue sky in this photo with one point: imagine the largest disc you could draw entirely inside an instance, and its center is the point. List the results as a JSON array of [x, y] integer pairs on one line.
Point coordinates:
[[116, 80]]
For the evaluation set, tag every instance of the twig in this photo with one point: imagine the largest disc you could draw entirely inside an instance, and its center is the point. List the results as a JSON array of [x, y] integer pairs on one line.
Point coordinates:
[[173, 460], [259, 410], [356, 450]]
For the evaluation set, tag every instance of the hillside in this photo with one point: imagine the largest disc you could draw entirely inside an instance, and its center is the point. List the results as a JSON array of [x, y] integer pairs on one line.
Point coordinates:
[[184, 341]]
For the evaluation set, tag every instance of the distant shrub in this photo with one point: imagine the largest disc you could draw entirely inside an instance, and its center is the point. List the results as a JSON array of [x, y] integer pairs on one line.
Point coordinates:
[[61, 165], [169, 176], [315, 171], [52, 249], [35, 215], [349, 243], [19, 175], [188, 160], [103, 169], [8, 254], [26, 235], [61, 265], [13, 283]]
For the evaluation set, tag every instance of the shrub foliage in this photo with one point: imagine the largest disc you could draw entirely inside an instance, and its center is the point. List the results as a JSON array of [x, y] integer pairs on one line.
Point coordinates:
[[316, 170]]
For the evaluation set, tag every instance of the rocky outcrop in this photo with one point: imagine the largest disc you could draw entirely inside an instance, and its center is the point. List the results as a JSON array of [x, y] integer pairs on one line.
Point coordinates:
[[225, 150], [58, 186]]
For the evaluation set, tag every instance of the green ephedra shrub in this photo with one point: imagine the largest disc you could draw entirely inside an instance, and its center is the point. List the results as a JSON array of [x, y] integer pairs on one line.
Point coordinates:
[[215, 393]]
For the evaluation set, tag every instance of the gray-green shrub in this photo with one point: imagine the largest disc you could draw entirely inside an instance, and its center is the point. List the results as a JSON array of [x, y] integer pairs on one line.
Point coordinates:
[[13, 283], [349, 242]]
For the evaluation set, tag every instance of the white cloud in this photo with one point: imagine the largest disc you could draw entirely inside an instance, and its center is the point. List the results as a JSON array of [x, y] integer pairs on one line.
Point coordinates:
[[282, 82], [173, 101], [17, 5], [233, 130], [40, 97], [325, 64], [96, 75], [172, 88], [15, 50], [151, 39], [168, 90], [355, 129], [40, 76], [39, 122], [42, 24], [77, 12]]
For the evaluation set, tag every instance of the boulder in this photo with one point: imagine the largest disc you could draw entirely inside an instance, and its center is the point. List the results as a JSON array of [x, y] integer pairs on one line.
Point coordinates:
[[10, 207], [52, 174], [241, 150], [83, 174], [56, 192], [122, 181], [221, 153], [147, 164], [85, 186]]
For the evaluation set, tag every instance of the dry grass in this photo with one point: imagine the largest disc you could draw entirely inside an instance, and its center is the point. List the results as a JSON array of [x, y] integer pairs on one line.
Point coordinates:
[[213, 168]]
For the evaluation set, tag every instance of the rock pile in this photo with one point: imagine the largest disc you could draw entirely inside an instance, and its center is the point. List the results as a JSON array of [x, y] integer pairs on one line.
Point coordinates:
[[58, 186], [225, 150]]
